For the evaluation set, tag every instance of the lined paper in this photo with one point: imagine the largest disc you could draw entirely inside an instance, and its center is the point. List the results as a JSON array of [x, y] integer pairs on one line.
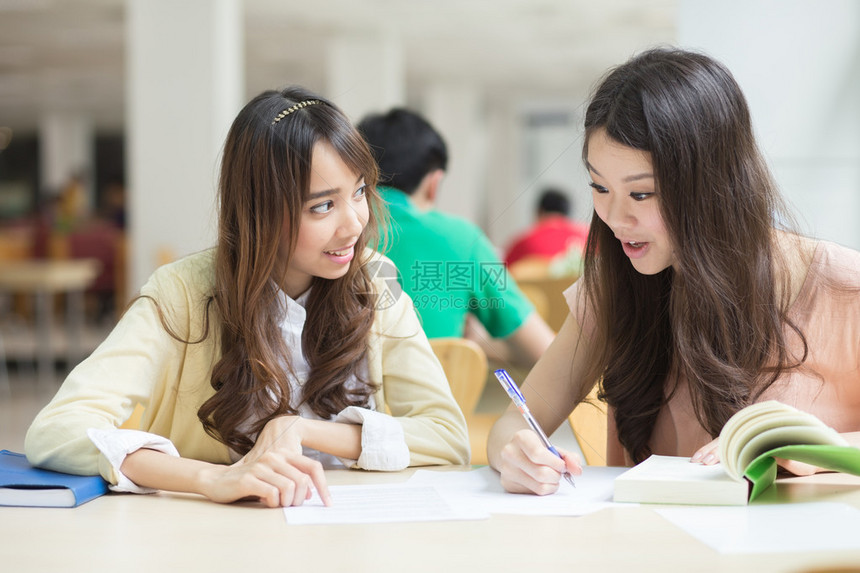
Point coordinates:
[[380, 504]]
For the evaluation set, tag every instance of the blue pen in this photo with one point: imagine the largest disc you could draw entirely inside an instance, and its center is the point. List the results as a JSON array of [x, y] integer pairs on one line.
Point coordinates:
[[520, 402]]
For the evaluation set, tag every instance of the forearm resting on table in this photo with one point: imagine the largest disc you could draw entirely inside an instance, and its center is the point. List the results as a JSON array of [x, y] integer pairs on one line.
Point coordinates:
[[157, 470], [150, 468], [341, 440], [290, 433], [275, 482]]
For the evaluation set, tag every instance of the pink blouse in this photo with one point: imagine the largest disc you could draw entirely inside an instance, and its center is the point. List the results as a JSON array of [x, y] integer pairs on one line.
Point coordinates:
[[827, 311]]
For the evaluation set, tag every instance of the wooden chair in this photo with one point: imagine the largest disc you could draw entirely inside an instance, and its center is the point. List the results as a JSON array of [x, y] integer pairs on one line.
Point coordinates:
[[529, 268], [538, 298], [465, 366], [552, 289], [545, 291], [16, 243], [165, 255], [589, 424]]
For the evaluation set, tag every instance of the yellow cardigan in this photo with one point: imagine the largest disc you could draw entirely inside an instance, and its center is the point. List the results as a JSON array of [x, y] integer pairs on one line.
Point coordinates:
[[140, 362]]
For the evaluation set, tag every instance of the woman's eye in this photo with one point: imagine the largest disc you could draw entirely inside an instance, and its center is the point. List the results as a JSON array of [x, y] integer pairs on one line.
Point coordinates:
[[322, 208], [640, 196], [360, 192], [598, 188]]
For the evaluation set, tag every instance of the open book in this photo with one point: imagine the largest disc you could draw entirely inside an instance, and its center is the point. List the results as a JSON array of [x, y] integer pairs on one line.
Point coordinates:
[[749, 443]]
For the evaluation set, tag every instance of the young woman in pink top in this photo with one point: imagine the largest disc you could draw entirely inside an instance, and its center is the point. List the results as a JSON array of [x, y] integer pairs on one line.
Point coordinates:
[[695, 301]]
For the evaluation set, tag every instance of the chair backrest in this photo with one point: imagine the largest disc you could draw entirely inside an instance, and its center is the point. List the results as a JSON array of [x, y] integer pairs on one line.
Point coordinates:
[[465, 366], [538, 298], [589, 423], [530, 268], [16, 243], [552, 289]]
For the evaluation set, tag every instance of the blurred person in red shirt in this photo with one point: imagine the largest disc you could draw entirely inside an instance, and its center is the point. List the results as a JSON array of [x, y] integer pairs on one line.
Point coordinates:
[[553, 234]]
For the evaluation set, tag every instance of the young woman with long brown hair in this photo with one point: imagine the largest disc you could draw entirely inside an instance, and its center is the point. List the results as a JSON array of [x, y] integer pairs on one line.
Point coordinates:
[[274, 354], [695, 301]]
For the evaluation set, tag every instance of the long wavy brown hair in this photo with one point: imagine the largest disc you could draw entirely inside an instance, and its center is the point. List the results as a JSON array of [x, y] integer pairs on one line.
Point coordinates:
[[265, 176], [718, 317]]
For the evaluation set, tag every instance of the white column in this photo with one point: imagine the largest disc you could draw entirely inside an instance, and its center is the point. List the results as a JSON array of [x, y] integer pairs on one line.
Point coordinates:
[[455, 110], [798, 63], [66, 149], [365, 73], [505, 206], [185, 85], [550, 155]]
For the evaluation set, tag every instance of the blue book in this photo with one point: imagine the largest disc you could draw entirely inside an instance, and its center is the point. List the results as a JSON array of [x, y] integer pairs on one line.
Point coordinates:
[[24, 485]]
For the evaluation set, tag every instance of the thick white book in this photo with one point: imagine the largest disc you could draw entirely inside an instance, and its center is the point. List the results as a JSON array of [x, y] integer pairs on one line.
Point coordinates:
[[675, 480], [750, 443]]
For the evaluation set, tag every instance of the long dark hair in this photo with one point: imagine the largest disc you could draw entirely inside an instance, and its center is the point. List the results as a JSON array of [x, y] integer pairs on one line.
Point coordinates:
[[265, 176], [717, 318]]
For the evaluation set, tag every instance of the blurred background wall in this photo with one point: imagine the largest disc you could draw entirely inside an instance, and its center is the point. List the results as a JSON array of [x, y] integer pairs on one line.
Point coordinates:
[[128, 101]]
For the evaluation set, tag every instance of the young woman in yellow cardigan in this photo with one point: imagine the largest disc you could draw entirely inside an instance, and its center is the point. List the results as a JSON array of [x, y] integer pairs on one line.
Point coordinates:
[[277, 353]]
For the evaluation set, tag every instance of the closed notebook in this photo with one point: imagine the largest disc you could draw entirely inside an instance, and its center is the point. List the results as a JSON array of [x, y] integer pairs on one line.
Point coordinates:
[[24, 485], [750, 442]]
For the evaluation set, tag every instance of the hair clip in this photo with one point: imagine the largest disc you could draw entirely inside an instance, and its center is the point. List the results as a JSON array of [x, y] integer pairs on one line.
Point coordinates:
[[290, 110]]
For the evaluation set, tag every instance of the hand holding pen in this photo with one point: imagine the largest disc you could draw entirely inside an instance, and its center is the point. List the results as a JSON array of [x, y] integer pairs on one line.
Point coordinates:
[[520, 402]]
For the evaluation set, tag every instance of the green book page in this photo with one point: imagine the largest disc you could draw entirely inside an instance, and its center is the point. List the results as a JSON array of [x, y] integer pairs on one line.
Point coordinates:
[[761, 472]]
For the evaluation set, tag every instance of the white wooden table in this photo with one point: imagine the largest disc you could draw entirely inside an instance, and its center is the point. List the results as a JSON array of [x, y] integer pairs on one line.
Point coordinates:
[[43, 279]]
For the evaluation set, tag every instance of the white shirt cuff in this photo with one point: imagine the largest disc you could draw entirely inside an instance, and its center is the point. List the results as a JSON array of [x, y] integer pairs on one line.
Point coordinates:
[[116, 444], [383, 445]]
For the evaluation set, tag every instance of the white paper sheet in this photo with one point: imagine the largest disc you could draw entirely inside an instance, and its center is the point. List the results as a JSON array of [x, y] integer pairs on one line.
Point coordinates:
[[481, 488], [380, 504], [770, 528]]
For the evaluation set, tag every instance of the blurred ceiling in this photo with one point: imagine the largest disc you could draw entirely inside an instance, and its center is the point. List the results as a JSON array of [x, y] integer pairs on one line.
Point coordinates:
[[68, 55]]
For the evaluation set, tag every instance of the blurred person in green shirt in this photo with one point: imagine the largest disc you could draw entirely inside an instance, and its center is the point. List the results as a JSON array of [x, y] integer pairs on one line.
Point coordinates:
[[446, 264]]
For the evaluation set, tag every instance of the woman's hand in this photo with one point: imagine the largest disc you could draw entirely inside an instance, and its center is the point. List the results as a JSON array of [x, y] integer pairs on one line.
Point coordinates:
[[797, 468], [273, 470], [284, 434], [527, 466], [709, 455], [276, 478]]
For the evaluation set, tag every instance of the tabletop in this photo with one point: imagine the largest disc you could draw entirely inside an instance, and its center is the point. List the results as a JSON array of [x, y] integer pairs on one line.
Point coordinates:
[[124, 532], [50, 275]]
